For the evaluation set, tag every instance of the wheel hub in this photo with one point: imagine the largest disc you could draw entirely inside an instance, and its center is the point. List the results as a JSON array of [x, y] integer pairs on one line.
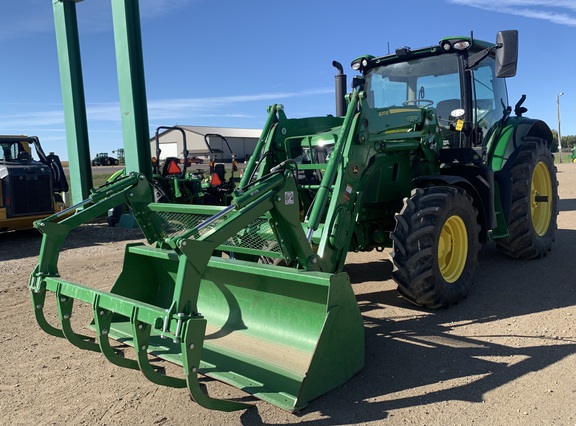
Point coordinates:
[[540, 203], [452, 248]]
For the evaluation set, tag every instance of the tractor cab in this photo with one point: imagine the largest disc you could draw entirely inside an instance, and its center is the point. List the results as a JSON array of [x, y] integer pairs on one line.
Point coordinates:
[[456, 83]]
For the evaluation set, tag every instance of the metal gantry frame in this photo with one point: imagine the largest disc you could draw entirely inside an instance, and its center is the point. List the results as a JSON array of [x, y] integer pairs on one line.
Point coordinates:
[[131, 87]]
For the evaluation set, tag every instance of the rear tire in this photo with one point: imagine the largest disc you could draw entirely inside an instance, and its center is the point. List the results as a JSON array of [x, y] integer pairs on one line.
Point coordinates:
[[435, 246], [534, 202]]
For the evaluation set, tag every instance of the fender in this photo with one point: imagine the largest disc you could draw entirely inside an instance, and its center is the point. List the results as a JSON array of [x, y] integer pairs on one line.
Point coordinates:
[[478, 183], [503, 142], [502, 149]]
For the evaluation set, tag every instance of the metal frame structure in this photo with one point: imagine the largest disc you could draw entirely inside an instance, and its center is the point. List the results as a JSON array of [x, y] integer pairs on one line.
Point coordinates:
[[131, 86]]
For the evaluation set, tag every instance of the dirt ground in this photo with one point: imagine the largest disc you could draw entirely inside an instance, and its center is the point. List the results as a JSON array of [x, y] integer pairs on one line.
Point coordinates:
[[504, 356]]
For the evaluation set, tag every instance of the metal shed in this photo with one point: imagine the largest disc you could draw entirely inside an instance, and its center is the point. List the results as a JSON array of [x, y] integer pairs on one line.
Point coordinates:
[[241, 141]]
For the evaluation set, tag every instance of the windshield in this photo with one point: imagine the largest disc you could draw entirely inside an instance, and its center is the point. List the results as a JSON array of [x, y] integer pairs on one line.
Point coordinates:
[[12, 151], [414, 82]]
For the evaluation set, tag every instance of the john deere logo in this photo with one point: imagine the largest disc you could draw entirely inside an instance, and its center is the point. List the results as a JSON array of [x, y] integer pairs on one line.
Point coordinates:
[[355, 169], [412, 118]]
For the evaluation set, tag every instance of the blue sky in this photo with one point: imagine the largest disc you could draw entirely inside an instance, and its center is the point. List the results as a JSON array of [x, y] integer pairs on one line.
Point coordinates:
[[220, 63]]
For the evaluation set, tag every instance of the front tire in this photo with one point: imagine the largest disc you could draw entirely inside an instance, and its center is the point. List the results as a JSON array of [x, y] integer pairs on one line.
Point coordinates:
[[534, 202], [435, 246]]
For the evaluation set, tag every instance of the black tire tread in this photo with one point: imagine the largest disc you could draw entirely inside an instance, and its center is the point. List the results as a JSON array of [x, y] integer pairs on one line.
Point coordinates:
[[415, 246], [523, 242]]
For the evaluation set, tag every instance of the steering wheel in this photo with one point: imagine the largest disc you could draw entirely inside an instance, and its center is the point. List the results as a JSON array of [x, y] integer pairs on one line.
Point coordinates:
[[423, 102]]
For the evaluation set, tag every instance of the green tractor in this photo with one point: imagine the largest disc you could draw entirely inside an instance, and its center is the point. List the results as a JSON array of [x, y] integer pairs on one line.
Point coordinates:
[[425, 157], [176, 182], [172, 181], [103, 159]]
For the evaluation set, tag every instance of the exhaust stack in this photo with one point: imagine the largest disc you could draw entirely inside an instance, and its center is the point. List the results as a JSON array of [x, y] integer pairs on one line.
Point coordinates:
[[340, 89]]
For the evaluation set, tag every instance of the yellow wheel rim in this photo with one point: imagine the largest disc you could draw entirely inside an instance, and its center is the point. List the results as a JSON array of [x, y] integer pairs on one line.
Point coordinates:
[[574, 160], [452, 249], [541, 199]]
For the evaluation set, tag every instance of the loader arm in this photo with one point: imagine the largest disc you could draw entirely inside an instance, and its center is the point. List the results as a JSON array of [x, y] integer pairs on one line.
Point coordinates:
[[334, 199]]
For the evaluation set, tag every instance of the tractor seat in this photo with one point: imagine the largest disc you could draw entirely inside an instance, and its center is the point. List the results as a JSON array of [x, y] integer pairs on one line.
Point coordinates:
[[444, 117], [444, 112], [171, 167], [219, 175]]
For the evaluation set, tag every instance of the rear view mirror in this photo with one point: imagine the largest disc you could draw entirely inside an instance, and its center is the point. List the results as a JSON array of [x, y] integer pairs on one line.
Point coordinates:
[[506, 53]]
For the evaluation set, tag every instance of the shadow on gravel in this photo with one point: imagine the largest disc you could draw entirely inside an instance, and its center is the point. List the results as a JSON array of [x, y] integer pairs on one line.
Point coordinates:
[[568, 205], [423, 350], [380, 270], [22, 244]]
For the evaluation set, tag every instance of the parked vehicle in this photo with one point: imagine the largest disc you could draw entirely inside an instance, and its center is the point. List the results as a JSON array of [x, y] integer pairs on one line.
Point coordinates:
[[30, 189], [193, 160], [103, 159]]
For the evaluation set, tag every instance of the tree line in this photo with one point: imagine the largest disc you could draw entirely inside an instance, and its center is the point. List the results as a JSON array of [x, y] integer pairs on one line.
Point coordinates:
[[567, 141]]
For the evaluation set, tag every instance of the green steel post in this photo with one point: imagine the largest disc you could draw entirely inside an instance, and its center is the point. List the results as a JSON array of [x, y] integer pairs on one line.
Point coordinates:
[[270, 121], [334, 164], [131, 86], [73, 98]]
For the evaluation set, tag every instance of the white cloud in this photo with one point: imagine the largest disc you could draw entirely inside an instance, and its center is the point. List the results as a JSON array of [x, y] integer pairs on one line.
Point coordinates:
[[183, 108], [23, 19], [155, 8], [158, 110], [561, 12], [27, 18]]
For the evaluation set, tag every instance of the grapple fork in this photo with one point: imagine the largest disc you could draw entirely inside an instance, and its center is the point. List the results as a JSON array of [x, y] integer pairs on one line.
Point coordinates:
[[285, 335]]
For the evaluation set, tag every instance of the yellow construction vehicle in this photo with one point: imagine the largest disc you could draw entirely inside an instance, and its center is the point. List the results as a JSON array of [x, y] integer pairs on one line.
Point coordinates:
[[30, 189]]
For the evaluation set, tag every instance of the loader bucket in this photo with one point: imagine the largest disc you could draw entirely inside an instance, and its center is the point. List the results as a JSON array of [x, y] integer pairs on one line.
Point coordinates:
[[283, 334]]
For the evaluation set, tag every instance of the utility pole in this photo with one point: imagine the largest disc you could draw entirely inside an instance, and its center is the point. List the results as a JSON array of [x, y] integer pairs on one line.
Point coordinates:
[[559, 133]]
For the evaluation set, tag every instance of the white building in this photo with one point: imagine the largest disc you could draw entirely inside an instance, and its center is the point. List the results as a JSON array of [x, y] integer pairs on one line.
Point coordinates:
[[206, 142]]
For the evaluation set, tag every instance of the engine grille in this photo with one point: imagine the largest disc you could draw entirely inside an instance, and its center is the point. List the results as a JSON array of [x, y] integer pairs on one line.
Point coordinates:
[[27, 191]]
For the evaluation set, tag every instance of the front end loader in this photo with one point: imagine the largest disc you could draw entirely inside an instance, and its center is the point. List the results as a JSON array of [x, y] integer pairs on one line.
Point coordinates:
[[286, 335], [423, 157]]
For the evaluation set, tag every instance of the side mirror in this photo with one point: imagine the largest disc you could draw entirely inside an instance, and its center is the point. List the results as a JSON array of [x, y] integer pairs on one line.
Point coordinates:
[[506, 53]]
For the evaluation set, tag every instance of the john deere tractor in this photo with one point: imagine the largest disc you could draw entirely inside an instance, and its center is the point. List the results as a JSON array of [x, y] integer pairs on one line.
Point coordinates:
[[423, 156], [103, 159]]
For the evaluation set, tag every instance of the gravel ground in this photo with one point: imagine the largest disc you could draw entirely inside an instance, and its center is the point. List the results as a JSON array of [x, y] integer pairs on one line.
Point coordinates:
[[504, 356]]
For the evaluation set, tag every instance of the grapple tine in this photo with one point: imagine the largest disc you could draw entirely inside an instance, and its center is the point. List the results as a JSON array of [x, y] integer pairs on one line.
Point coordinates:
[[38, 299], [194, 331], [141, 335], [102, 323], [65, 305]]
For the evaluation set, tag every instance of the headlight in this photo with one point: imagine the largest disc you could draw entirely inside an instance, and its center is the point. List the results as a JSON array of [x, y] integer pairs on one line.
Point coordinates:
[[462, 45], [449, 44], [360, 63]]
